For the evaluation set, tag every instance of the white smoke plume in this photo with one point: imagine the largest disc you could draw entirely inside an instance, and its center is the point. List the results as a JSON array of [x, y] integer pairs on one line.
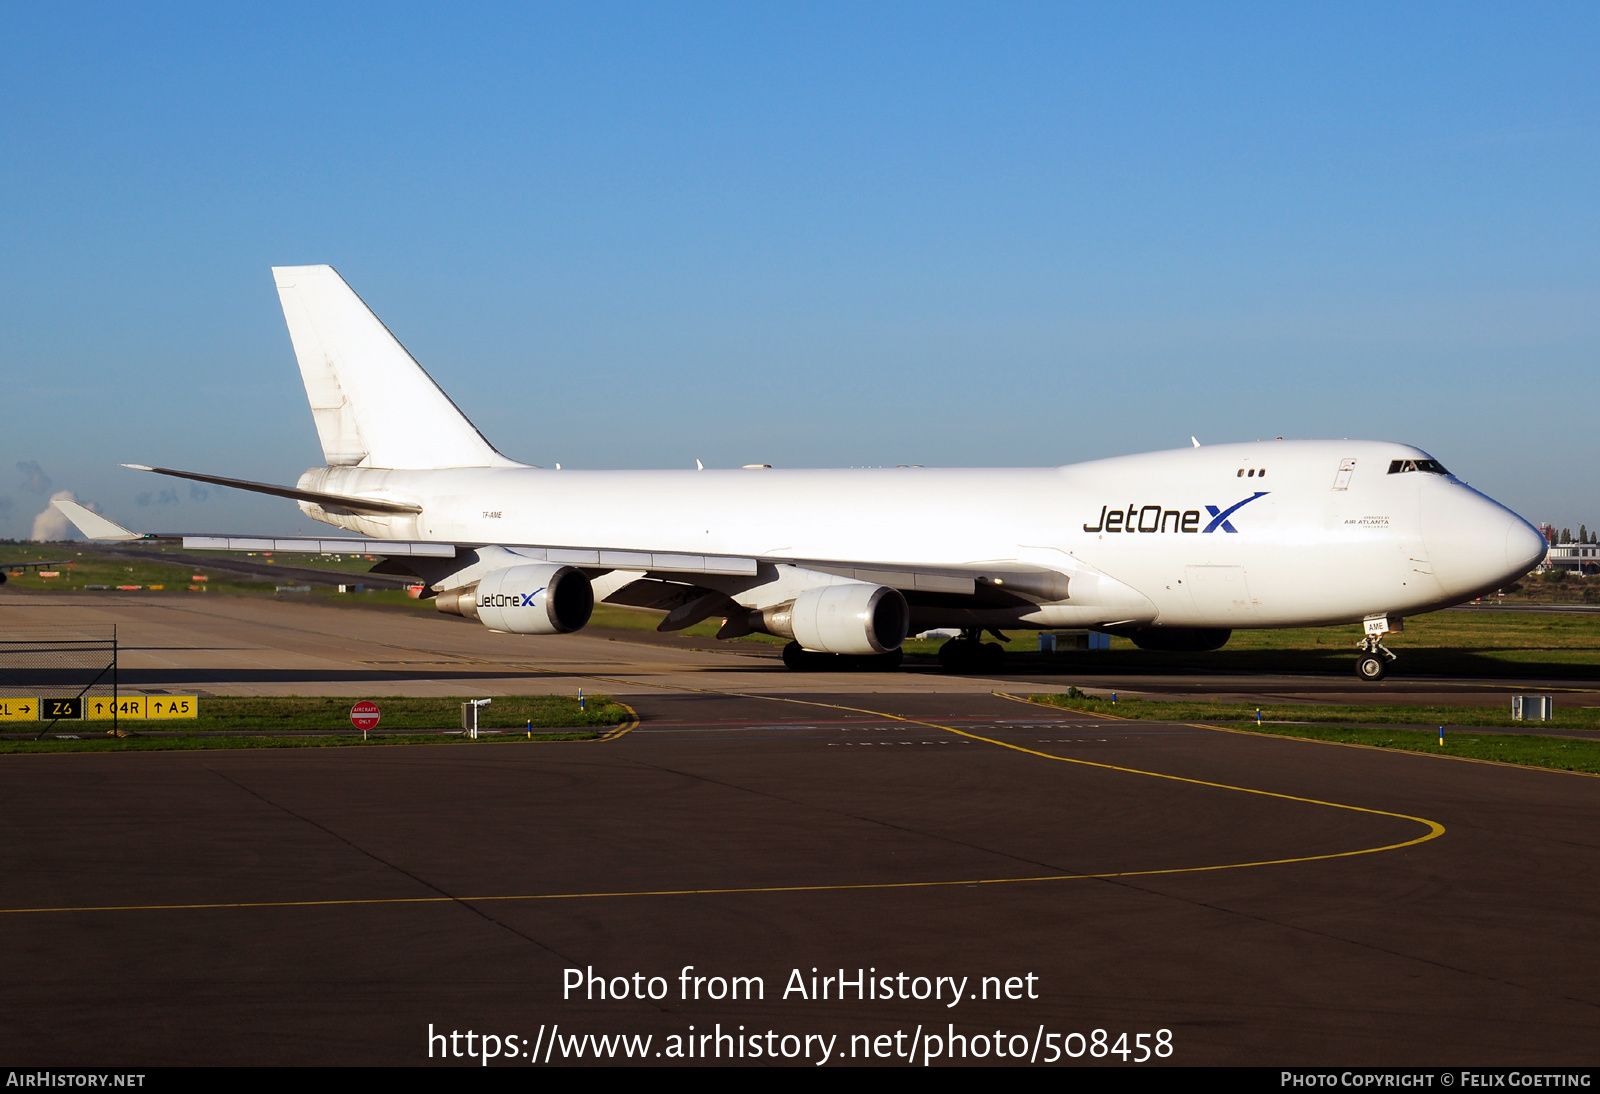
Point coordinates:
[[52, 524]]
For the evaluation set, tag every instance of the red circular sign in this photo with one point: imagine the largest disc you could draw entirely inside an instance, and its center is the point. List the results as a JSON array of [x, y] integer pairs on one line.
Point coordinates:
[[364, 715]]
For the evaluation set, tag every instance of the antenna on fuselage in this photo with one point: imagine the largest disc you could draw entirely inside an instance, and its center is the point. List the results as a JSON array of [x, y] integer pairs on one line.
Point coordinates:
[[1196, 441]]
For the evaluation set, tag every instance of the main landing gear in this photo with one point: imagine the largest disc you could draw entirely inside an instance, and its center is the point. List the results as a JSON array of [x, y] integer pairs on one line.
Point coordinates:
[[1373, 664], [970, 653], [800, 659]]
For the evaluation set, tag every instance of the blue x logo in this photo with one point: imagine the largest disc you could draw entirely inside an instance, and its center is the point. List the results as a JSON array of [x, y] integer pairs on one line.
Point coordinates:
[[527, 598], [1219, 517]]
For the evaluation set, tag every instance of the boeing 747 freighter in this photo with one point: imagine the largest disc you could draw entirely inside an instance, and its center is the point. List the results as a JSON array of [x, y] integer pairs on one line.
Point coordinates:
[[1174, 550]]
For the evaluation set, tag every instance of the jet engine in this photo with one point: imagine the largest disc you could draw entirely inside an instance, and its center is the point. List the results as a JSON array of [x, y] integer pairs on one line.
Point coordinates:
[[852, 618], [532, 599]]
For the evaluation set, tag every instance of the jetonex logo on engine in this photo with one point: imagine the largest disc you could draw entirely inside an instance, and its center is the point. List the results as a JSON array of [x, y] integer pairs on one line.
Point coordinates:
[[510, 600], [1158, 518]]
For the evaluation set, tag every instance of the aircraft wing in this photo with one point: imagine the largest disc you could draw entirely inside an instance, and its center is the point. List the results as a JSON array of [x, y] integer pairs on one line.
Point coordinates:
[[96, 527], [992, 583], [664, 579]]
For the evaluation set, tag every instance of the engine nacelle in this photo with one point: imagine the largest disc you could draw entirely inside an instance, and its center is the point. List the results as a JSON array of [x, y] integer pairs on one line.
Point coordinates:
[[853, 618], [535, 599]]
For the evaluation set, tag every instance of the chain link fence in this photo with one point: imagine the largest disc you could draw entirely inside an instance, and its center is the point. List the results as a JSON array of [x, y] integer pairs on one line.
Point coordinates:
[[58, 677]]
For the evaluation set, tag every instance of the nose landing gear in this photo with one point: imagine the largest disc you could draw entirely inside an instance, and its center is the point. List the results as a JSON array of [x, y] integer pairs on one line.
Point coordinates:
[[1373, 664]]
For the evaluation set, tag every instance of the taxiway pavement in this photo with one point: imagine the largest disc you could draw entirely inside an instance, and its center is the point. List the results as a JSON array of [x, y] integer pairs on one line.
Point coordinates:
[[240, 645], [1268, 901]]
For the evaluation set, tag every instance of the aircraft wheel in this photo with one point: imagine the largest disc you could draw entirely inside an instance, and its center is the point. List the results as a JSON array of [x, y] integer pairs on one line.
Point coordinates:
[[888, 662], [800, 659], [957, 655], [1371, 667], [965, 655]]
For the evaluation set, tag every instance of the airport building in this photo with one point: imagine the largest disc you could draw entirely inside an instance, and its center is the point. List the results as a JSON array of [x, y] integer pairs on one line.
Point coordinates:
[[1580, 558]]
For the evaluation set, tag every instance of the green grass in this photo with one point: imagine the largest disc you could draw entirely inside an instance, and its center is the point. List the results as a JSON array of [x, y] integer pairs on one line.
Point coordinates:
[[1571, 717], [1566, 754], [84, 565], [1527, 645], [1551, 587], [646, 619], [1448, 643], [305, 721], [271, 714], [104, 743], [1560, 753]]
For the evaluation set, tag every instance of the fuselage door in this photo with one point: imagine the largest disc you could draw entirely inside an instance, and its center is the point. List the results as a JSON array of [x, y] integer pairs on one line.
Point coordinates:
[[1341, 481]]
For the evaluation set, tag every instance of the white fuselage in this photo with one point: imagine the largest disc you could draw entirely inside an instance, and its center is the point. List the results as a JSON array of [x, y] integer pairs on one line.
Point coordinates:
[[1325, 535]]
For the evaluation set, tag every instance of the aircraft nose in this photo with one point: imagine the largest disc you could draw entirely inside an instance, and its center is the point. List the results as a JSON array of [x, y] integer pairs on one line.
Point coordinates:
[[1525, 546], [1474, 543]]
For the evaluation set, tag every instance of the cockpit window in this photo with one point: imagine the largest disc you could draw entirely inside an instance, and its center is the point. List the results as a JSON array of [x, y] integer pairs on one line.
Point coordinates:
[[1432, 467]]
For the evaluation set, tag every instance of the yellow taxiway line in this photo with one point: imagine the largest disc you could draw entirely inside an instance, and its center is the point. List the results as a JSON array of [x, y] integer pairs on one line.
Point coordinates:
[[1433, 831]]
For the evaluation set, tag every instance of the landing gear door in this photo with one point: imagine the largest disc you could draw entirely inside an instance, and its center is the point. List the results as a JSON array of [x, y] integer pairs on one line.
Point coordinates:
[[1341, 481]]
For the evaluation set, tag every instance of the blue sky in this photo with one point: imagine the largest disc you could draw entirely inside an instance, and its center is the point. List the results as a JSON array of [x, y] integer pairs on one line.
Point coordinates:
[[809, 235]]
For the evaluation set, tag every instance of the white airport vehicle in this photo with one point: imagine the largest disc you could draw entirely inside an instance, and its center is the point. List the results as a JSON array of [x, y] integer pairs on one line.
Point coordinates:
[[1174, 549]]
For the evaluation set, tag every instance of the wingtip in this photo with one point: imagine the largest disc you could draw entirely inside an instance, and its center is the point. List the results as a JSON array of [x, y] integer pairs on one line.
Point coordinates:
[[92, 524]]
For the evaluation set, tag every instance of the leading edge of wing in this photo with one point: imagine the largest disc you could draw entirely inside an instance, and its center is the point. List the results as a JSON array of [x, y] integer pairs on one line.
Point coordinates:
[[962, 580]]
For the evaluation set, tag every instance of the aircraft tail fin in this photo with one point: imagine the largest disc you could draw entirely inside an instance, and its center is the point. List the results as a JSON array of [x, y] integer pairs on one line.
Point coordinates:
[[373, 404]]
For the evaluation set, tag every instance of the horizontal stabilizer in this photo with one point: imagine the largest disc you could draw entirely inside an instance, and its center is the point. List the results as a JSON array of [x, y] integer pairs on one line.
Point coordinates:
[[92, 524], [337, 501], [96, 527]]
